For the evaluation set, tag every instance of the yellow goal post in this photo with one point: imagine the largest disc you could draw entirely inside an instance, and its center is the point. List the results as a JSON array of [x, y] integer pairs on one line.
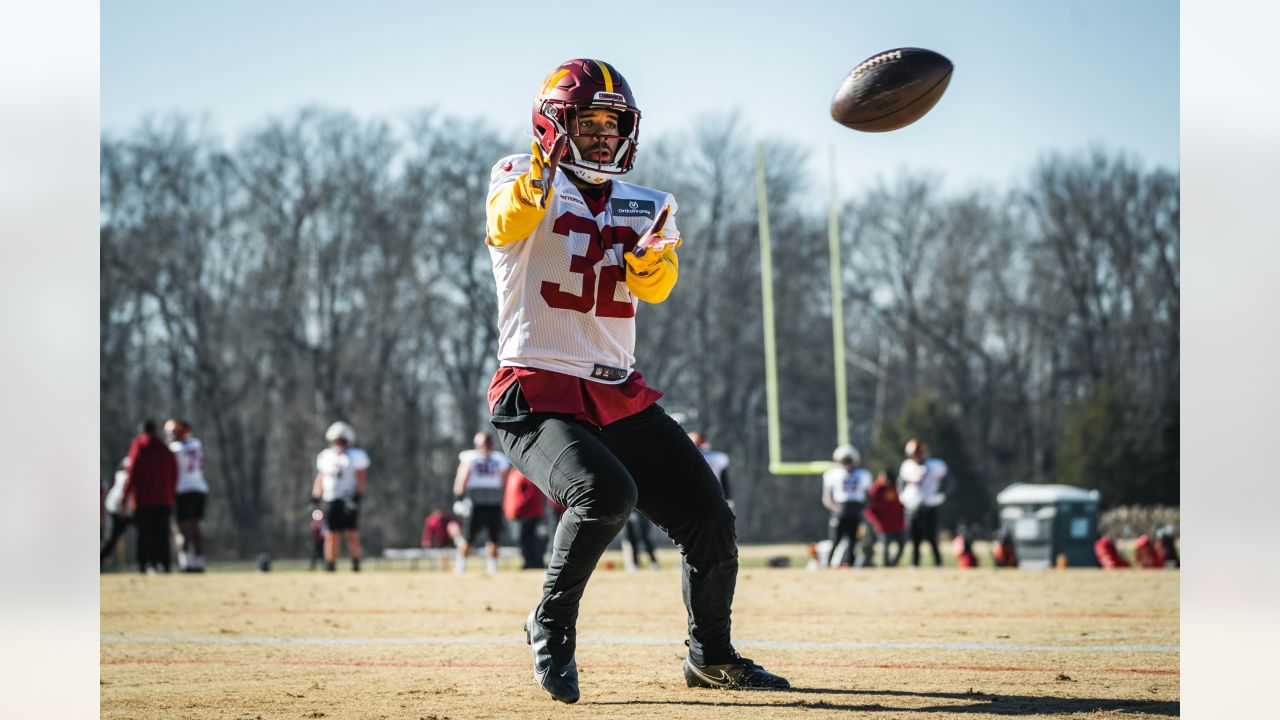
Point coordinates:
[[777, 465]]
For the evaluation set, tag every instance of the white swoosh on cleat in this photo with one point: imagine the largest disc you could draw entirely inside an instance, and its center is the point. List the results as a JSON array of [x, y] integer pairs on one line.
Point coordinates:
[[724, 676]]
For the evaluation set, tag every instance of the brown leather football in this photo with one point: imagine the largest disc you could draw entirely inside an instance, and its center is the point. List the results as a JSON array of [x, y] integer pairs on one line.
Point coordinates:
[[891, 90]]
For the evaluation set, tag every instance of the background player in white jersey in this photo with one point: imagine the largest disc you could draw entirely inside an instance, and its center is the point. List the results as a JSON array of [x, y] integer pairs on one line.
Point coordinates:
[[844, 490], [118, 514], [573, 253], [192, 492], [920, 489], [342, 472], [717, 461], [482, 481]]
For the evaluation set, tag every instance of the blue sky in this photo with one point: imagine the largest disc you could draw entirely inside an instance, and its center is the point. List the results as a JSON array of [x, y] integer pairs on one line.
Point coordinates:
[[1031, 77]]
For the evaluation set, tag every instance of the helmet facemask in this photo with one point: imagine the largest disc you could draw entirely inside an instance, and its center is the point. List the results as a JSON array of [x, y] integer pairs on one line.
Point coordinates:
[[564, 117]]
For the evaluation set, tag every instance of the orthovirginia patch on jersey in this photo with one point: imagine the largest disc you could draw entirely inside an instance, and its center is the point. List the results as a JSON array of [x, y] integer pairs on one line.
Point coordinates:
[[622, 207]]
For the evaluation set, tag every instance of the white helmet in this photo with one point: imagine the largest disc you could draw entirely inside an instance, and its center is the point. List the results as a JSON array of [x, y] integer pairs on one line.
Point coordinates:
[[846, 452], [340, 431]]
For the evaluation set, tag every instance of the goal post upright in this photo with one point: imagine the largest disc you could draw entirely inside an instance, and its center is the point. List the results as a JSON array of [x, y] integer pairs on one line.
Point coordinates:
[[837, 307], [766, 298], [776, 465]]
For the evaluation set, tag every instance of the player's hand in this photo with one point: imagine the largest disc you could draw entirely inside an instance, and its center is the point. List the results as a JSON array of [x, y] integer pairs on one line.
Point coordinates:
[[542, 172], [651, 246], [655, 238], [462, 507]]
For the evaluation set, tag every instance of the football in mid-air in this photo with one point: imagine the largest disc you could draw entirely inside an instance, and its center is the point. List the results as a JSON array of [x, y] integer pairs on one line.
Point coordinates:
[[891, 90]]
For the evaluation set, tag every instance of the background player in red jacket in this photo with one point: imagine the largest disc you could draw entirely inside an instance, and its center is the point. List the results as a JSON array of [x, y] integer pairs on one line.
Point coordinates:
[[151, 487], [887, 517], [524, 503]]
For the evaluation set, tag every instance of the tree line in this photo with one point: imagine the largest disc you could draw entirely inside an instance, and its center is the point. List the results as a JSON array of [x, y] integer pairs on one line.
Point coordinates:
[[324, 267]]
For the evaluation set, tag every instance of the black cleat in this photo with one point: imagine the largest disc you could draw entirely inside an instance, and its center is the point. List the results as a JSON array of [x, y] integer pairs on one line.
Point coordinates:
[[553, 665], [738, 674]]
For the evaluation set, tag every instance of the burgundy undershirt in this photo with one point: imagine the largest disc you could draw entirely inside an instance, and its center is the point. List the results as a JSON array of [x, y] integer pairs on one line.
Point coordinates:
[[551, 392]]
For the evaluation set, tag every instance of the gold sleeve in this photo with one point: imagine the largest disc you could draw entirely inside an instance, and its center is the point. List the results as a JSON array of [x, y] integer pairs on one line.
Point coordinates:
[[654, 282], [512, 215]]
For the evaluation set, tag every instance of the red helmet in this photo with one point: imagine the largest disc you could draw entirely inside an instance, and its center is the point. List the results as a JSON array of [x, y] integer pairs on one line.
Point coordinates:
[[575, 86]]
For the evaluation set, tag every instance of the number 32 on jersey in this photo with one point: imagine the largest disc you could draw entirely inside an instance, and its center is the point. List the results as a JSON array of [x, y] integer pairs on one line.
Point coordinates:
[[598, 288]]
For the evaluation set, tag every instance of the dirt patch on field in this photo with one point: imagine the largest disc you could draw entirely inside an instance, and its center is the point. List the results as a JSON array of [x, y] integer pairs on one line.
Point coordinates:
[[885, 643]]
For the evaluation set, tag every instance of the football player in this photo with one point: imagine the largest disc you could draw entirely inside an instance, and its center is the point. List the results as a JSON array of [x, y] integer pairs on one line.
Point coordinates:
[[481, 482], [342, 472], [844, 490], [574, 250], [920, 489], [637, 540], [192, 491], [718, 461], [118, 515], [884, 513]]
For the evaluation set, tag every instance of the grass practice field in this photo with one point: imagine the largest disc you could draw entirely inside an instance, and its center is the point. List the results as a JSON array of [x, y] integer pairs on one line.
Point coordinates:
[[873, 643]]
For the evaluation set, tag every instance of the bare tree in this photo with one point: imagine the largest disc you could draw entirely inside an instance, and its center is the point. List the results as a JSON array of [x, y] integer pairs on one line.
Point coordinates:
[[326, 267]]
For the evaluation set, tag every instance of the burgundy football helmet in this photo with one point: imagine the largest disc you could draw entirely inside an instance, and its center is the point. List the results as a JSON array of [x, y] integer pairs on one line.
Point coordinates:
[[575, 86]]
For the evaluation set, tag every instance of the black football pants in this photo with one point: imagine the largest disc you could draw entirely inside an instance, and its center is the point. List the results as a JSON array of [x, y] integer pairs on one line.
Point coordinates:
[[645, 462], [152, 522], [924, 527], [533, 543], [117, 524], [638, 538], [843, 526]]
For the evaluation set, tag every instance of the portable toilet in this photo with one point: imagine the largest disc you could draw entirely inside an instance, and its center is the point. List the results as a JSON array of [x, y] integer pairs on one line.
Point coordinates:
[[1046, 521]]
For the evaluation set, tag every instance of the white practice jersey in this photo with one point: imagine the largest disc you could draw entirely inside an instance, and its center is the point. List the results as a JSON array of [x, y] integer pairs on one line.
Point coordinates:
[[921, 483], [484, 480], [847, 486], [563, 301], [111, 503], [337, 468], [190, 456]]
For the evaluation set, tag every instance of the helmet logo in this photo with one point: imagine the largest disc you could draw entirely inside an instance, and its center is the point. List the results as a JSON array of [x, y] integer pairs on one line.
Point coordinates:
[[552, 80]]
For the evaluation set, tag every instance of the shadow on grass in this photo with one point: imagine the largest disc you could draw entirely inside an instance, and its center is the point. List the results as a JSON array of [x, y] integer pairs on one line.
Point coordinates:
[[973, 702]]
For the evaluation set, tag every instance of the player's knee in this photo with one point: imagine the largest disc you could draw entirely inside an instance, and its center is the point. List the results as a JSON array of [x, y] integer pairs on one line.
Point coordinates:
[[722, 521], [708, 533], [609, 504]]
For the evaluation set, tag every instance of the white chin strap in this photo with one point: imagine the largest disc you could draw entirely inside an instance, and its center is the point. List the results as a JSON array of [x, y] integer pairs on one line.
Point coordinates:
[[595, 178]]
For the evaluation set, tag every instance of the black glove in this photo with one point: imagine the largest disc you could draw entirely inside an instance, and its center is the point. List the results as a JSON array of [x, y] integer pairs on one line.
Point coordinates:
[[315, 503]]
